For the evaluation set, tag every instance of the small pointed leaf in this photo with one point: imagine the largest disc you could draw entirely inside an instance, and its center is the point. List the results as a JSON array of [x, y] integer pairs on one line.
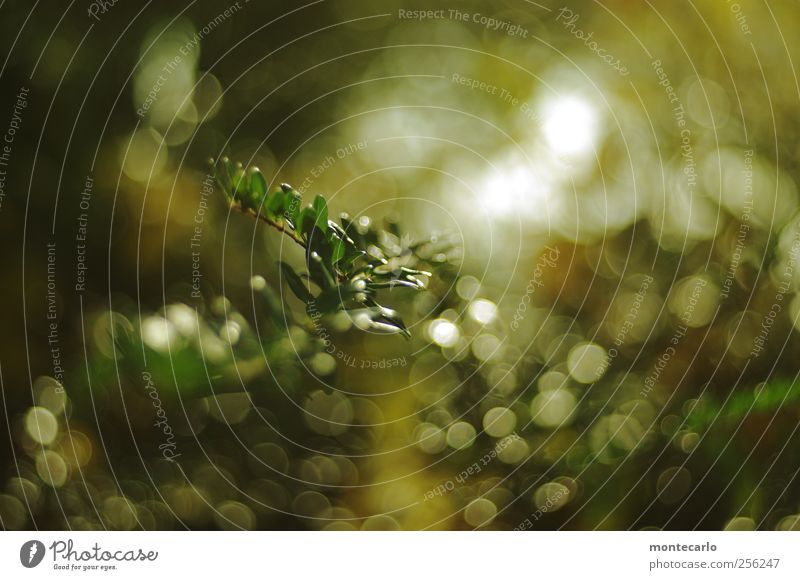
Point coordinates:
[[295, 283]]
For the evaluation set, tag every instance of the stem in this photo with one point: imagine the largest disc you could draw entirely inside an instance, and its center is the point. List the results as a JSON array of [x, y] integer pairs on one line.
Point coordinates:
[[280, 227]]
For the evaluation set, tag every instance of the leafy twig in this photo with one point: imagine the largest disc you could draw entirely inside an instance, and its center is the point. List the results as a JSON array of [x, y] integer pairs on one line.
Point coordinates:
[[349, 263]]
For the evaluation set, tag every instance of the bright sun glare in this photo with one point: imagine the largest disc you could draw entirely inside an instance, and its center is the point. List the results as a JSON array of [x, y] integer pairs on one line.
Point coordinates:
[[569, 126], [515, 189], [525, 187]]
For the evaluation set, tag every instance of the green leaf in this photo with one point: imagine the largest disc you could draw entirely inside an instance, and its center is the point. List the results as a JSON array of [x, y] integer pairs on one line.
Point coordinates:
[[305, 221], [386, 270], [347, 224], [319, 265], [239, 180], [333, 299], [338, 230], [380, 320], [342, 244], [320, 243], [258, 184], [229, 169], [295, 283], [274, 203], [321, 209], [292, 203], [222, 172], [416, 285], [273, 305], [338, 250]]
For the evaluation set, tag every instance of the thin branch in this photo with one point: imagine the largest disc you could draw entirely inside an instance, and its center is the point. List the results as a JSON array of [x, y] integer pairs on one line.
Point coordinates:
[[280, 227]]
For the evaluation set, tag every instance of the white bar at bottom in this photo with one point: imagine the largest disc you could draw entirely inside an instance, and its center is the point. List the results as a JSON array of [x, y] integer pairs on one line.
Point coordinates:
[[401, 555]]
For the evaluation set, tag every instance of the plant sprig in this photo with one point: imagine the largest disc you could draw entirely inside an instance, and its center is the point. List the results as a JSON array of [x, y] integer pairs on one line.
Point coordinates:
[[347, 262]]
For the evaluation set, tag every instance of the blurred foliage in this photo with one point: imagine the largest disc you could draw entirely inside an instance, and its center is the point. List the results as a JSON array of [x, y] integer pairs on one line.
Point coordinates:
[[603, 260]]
